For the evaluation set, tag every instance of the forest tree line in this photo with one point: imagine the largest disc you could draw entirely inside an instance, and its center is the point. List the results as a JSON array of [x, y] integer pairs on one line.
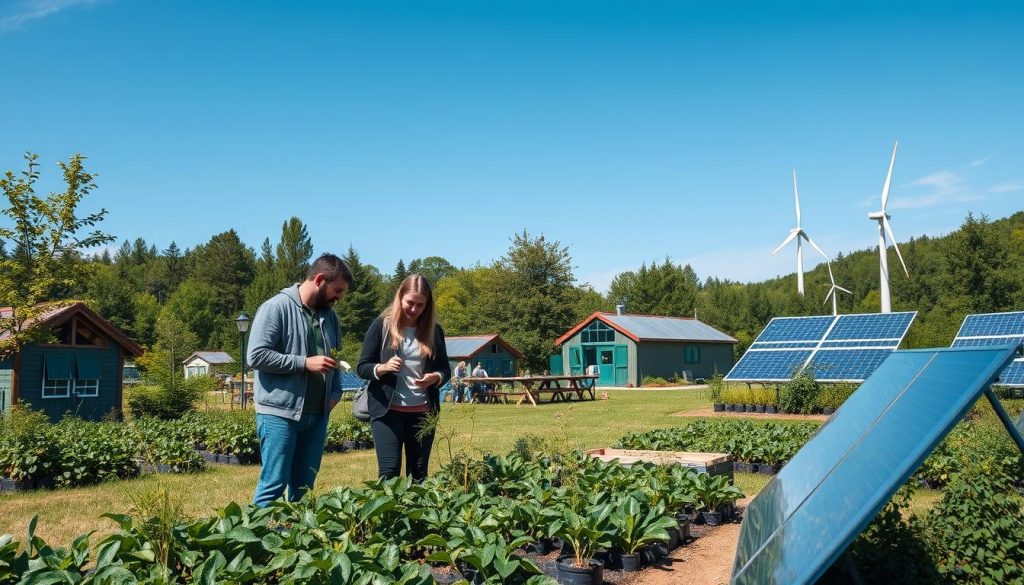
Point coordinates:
[[174, 301]]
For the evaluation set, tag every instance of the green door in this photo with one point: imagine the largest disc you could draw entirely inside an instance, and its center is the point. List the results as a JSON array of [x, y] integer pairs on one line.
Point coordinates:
[[621, 365], [555, 365]]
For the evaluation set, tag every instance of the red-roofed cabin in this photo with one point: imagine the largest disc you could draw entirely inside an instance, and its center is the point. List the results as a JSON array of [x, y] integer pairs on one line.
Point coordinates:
[[624, 349]]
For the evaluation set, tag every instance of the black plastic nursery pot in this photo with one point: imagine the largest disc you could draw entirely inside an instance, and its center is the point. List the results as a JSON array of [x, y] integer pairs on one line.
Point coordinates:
[[540, 547], [768, 469], [350, 445], [719, 406], [759, 409], [828, 410], [771, 409], [673, 538], [712, 518], [684, 528], [631, 563], [570, 574], [365, 444], [16, 485]]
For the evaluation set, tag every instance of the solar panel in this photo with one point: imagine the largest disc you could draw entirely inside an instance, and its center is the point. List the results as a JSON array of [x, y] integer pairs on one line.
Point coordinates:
[[805, 518], [844, 348], [350, 381], [995, 329]]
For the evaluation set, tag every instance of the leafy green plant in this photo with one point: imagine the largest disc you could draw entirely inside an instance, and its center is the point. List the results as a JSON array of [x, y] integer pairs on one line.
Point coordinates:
[[715, 387], [712, 492], [634, 527], [585, 532], [977, 529], [799, 395]]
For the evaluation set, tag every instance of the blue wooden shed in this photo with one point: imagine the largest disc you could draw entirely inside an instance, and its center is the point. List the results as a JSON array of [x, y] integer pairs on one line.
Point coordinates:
[[496, 356], [623, 349], [79, 370]]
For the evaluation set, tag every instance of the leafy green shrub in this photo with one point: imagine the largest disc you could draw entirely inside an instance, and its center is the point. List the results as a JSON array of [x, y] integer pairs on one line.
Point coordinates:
[[164, 402], [799, 395], [892, 549], [737, 395], [977, 529], [654, 381], [715, 387], [833, 395]]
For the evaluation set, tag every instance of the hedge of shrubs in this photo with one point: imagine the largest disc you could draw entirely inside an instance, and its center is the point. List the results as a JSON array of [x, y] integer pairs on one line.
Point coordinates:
[[768, 443], [73, 452], [390, 531]]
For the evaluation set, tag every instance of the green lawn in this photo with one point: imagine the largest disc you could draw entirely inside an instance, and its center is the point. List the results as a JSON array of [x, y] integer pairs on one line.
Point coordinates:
[[64, 514]]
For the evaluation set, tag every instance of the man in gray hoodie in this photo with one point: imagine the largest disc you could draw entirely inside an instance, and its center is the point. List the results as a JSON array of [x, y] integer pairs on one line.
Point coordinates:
[[295, 381]]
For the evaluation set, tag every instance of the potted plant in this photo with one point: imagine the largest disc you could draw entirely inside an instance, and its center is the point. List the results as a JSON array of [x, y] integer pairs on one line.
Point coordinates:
[[633, 528], [585, 533], [713, 493], [715, 389]]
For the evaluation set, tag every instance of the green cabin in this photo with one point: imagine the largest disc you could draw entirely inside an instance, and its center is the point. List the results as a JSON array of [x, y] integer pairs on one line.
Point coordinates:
[[79, 370], [623, 349], [495, 355]]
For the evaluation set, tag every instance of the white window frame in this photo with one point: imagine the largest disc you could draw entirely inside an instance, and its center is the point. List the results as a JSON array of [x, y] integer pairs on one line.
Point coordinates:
[[50, 386], [87, 387]]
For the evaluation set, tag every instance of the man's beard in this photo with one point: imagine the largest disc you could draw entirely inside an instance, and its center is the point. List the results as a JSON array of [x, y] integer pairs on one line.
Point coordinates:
[[321, 301]]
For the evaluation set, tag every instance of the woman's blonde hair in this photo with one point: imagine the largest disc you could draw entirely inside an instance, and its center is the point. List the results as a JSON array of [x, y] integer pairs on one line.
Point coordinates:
[[414, 283]]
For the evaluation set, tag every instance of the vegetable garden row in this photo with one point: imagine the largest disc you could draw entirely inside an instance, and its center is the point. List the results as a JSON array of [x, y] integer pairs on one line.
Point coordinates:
[[394, 531], [73, 452]]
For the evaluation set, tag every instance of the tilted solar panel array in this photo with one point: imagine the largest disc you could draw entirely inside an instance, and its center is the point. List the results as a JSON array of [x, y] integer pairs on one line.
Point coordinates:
[[844, 348], [995, 329], [829, 492], [350, 380]]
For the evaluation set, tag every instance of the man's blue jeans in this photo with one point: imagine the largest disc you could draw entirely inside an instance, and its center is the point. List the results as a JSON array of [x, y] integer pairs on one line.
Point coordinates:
[[291, 452]]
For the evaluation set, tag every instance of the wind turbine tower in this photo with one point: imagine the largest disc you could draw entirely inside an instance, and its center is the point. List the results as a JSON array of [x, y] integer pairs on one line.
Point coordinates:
[[883, 229], [833, 292], [799, 234]]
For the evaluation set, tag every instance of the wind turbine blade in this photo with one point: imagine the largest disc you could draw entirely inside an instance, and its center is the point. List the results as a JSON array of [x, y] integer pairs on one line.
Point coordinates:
[[789, 239], [892, 237], [888, 178], [830, 277], [831, 292], [796, 199], [843, 289], [813, 245]]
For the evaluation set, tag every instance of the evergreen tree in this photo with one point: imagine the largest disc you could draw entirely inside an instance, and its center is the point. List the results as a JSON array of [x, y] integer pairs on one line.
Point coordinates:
[[293, 251], [362, 302], [226, 265]]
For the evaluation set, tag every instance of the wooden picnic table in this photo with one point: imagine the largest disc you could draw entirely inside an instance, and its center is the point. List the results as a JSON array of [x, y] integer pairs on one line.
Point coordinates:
[[533, 389]]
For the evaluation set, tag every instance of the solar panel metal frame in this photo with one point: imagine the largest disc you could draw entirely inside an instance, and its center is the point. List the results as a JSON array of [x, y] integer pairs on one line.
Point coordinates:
[[789, 534], [1012, 375], [818, 343]]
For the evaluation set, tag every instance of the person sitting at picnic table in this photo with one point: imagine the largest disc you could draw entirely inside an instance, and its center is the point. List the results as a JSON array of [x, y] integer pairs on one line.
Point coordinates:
[[458, 386], [479, 372]]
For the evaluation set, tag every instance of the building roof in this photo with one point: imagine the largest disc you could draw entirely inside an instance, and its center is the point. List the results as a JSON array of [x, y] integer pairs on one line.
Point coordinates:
[[212, 357], [60, 312], [464, 347], [654, 328]]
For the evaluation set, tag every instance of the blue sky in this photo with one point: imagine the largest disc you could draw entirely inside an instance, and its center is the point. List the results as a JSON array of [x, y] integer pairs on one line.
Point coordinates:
[[629, 131]]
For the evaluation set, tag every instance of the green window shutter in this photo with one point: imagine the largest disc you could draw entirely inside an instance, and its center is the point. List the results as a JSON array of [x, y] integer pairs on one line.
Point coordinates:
[[88, 367], [58, 366], [574, 357]]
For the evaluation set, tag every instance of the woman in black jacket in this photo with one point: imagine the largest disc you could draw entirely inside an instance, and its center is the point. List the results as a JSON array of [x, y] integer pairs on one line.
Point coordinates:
[[405, 360]]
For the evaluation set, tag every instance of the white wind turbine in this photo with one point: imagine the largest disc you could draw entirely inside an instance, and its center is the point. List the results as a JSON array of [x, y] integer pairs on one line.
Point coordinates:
[[883, 228], [799, 234], [832, 292]]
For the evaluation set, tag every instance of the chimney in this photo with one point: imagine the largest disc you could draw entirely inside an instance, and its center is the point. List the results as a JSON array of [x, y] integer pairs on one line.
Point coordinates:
[[620, 309]]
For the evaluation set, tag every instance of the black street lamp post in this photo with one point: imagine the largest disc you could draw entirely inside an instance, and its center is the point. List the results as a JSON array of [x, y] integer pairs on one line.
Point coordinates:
[[242, 322]]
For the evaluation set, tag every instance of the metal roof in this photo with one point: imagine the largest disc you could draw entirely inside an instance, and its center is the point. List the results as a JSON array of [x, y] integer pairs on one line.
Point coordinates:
[[460, 347], [651, 328], [212, 357]]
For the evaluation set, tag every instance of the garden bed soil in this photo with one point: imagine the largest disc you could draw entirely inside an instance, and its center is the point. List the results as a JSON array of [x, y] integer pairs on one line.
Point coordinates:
[[710, 413], [706, 560]]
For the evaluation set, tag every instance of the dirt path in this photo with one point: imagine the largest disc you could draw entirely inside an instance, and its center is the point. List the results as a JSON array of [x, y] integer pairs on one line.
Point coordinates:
[[706, 560], [710, 413]]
